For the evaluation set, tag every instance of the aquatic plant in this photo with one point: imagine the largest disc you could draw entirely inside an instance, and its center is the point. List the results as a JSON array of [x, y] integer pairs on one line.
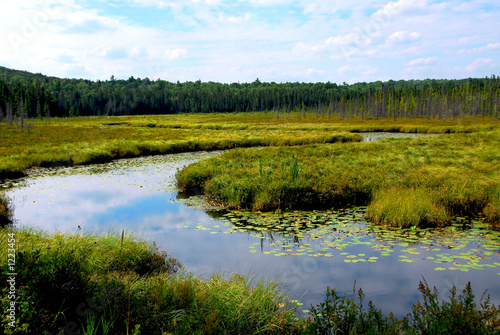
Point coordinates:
[[466, 245]]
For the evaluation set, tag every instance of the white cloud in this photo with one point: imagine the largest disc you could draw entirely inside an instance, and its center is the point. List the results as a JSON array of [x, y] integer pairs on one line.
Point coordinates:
[[423, 61], [359, 69], [175, 53], [403, 36], [489, 47], [479, 64]]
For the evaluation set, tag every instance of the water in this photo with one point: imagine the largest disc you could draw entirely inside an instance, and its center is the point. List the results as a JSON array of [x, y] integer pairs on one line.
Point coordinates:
[[377, 136], [139, 196]]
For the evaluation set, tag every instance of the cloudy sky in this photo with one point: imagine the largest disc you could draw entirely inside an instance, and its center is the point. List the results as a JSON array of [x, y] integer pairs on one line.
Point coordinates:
[[241, 40]]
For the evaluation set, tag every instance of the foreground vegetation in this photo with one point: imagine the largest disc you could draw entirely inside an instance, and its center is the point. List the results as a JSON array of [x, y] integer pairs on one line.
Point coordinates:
[[405, 182], [120, 285]]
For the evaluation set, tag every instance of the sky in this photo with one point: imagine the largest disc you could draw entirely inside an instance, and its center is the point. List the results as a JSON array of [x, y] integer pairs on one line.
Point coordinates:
[[242, 40]]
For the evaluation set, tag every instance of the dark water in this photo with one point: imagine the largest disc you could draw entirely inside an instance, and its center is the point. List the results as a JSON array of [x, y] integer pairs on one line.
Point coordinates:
[[139, 196]]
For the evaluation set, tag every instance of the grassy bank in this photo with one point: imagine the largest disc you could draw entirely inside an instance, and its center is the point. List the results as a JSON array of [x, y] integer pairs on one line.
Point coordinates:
[[66, 283], [121, 285], [53, 142], [84, 141], [404, 182]]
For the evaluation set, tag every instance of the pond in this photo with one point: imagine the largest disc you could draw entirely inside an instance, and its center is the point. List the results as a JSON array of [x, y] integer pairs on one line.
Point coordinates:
[[306, 252]]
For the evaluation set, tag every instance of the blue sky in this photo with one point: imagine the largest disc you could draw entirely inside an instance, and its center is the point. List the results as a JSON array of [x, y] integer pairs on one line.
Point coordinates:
[[239, 41]]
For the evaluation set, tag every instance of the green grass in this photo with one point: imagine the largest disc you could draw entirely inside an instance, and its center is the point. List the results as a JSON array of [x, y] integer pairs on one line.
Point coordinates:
[[53, 142], [84, 141], [124, 283], [415, 207], [404, 182]]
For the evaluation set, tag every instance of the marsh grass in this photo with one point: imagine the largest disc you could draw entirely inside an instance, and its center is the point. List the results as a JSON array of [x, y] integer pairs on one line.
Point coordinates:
[[53, 142], [404, 182], [118, 284], [407, 207]]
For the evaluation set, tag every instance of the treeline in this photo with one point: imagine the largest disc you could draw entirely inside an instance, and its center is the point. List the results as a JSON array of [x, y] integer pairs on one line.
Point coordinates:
[[26, 95]]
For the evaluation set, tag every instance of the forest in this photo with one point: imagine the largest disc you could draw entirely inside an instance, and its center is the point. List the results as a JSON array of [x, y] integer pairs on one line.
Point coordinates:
[[26, 95]]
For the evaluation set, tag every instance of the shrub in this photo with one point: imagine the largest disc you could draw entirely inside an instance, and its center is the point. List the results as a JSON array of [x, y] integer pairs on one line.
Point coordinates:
[[459, 315], [6, 215]]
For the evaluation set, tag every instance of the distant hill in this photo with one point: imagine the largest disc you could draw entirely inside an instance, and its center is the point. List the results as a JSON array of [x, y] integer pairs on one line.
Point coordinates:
[[38, 95]]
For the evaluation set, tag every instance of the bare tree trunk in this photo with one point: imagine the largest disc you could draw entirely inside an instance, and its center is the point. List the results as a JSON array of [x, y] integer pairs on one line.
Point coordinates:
[[8, 117]]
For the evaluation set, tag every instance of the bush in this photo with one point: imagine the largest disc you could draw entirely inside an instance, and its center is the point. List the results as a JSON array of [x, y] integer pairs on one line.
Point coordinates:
[[459, 315], [6, 215], [341, 315]]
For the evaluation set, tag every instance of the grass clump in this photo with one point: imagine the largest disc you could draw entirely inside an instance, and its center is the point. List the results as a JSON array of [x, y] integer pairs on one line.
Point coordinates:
[[400, 207], [87, 283]]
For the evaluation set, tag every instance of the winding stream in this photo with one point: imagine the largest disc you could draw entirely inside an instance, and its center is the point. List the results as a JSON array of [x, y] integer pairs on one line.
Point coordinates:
[[329, 249]]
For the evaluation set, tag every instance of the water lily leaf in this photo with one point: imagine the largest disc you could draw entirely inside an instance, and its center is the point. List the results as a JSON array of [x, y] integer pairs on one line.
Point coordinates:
[[439, 269], [407, 260]]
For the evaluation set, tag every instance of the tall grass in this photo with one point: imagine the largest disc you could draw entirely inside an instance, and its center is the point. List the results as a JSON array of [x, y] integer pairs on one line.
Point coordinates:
[[124, 285], [423, 181], [407, 207]]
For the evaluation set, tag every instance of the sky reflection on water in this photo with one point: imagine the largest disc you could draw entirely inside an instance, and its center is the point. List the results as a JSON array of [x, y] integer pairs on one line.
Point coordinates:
[[138, 196]]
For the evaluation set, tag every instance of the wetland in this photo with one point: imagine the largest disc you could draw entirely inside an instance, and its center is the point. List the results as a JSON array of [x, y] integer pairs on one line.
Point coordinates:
[[301, 202], [305, 251]]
